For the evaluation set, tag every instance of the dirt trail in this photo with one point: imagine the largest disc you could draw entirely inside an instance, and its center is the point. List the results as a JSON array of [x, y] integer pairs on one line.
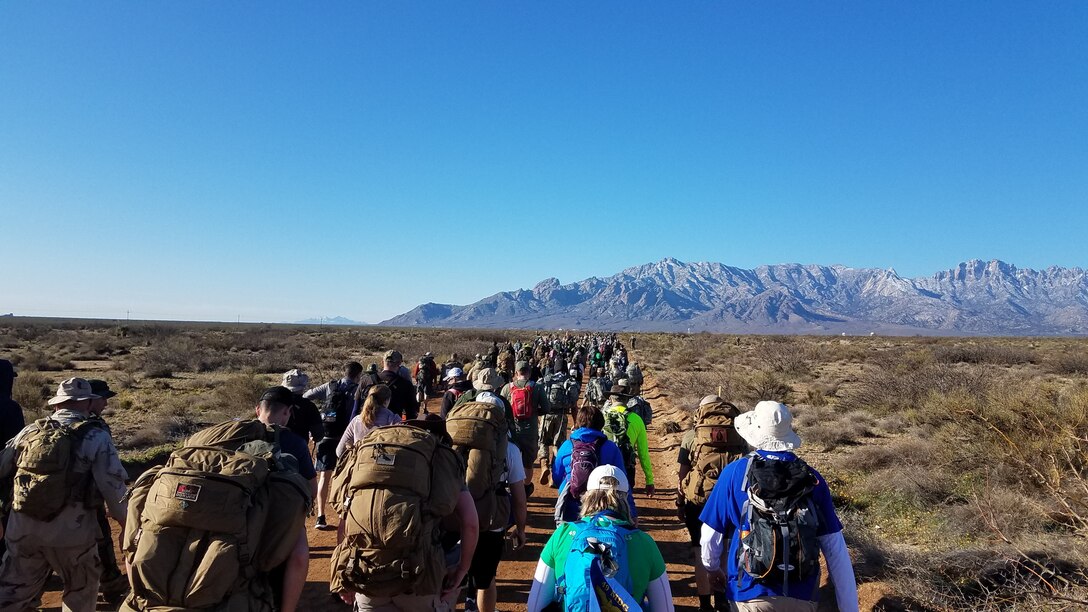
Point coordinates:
[[657, 517]]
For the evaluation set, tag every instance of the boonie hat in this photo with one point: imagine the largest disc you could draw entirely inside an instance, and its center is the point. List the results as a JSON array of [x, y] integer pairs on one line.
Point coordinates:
[[521, 365], [278, 395], [769, 426], [101, 388], [710, 399], [605, 471], [393, 356], [487, 379], [296, 380], [73, 390], [454, 373]]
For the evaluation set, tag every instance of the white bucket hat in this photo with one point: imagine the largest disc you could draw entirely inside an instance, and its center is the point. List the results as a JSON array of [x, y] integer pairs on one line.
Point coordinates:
[[769, 426], [607, 471], [73, 390], [296, 380], [454, 373]]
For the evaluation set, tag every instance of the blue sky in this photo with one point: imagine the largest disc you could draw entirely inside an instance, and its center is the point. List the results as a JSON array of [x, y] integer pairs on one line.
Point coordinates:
[[277, 161]]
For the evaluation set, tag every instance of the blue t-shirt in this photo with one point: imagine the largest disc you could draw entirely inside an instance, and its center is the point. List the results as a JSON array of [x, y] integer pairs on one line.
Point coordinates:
[[291, 443], [723, 514]]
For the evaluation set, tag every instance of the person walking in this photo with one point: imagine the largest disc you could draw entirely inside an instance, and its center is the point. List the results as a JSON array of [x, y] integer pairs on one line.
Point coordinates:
[[527, 402], [779, 513], [337, 397], [606, 536], [52, 527]]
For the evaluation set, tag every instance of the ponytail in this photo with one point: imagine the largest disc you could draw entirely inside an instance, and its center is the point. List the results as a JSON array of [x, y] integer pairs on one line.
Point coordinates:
[[377, 397]]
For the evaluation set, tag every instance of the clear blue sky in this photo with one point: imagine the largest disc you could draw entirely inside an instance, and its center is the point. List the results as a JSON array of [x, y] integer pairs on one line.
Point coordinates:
[[277, 161]]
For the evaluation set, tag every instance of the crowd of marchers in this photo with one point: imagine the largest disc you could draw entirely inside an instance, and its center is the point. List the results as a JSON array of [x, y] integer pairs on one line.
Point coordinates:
[[424, 473]]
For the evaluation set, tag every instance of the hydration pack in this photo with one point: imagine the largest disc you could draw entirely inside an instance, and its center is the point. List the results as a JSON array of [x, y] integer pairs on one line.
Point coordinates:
[[521, 401], [781, 544], [338, 403], [596, 576]]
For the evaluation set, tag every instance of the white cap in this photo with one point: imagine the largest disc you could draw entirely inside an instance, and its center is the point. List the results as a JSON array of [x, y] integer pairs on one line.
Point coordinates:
[[454, 372], [296, 380], [605, 471]]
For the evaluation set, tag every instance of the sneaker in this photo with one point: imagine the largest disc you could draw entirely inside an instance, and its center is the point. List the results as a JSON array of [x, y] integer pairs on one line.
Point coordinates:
[[470, 605], [543, 477], [321, 524]]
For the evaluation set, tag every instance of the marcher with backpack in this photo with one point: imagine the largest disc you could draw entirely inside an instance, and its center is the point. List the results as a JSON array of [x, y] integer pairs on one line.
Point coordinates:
[[375, 413], [705, 450], [65, 466], [113, 584], [586, 449], [222, 524], [404, 400], [496, 480], [527, 402], [11, 413], [337, 397], [634, 403], [781, 517], [306, 420], [602, 561], [627, 430], [411, 472], [553, 425], [597, 389], [456, 387], [425, 373]]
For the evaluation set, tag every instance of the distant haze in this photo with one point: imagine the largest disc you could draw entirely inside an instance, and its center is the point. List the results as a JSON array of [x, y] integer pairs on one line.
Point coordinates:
[[974, 297]]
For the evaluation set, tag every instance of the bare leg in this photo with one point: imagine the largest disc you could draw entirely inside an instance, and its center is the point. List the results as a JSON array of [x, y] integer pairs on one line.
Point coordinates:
[[485, 598]]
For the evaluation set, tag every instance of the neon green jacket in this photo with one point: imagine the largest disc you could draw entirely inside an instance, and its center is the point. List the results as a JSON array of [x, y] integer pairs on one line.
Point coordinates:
[[636, 432]]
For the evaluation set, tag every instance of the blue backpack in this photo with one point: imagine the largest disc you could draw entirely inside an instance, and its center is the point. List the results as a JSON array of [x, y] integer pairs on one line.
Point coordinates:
[[595, 578]]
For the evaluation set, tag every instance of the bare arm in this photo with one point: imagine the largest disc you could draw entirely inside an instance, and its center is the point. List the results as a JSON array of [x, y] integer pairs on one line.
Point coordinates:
[[470, 534], [294, 575]]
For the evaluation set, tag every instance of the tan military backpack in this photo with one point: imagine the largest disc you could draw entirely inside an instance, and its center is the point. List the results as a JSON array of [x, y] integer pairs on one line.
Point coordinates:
[[716, 444], [203, 529], [479, 433], [392, 488], [45, 476]]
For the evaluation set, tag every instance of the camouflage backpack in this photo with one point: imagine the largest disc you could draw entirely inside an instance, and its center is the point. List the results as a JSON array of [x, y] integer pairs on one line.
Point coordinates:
[[716, 444], [45, 477], [479, 433], [392, 488], [204, 529], [615, 428]]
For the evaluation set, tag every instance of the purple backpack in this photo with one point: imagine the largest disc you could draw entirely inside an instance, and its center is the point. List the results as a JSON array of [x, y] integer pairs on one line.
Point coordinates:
[[584, 458]]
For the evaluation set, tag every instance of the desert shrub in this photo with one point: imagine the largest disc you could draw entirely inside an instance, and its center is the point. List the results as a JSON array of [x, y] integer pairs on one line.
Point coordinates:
[[32, 390], [984, 353], [1069, 363], [883, 390], [784, 356], [766, 385]]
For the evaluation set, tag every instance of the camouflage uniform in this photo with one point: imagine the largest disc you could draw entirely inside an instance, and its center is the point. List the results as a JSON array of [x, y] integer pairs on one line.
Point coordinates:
[[68, 543]]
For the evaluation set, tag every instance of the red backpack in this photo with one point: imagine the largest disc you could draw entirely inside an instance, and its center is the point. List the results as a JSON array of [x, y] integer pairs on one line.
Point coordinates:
[[521, 401]]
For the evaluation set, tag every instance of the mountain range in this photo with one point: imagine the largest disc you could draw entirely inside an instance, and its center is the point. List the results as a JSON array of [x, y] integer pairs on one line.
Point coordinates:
[[329, 321], [974, 297]]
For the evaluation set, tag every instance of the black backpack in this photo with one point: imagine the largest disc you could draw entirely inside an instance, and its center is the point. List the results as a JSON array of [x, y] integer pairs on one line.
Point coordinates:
[[782, 544], [338, 403]]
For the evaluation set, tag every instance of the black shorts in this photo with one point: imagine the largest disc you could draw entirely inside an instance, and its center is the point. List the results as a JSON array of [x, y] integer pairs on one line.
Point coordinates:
[[485, 562], [691, 520], [326, 455]]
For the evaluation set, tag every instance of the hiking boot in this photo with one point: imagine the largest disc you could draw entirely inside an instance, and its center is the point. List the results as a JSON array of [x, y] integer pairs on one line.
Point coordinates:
[[321, 524], [544, 471]]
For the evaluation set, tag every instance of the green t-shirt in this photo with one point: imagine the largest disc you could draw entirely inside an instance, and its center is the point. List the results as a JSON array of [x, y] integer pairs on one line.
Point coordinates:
[[644, 561]]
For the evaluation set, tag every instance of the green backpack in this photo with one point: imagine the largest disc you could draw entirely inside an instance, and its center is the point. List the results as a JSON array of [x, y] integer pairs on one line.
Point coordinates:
[[45, 478], [615, 428], [203, 530]]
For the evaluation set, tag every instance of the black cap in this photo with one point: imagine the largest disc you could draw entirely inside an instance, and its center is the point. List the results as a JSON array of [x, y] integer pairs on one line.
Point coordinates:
[[278, 395], [7, 370], [101, 388]]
